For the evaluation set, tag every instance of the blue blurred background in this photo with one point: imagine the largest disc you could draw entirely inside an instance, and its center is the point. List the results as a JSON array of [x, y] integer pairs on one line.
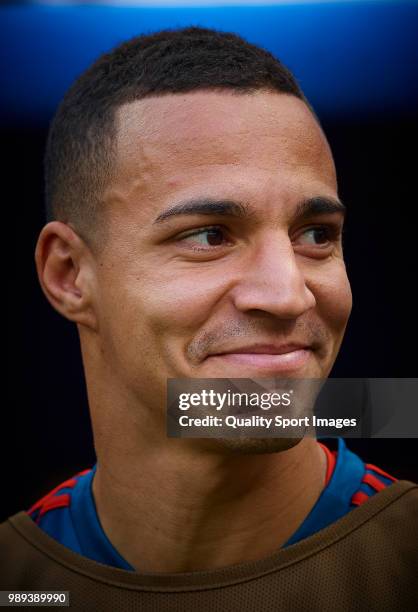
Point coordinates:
[[351, 58], [357, 63]]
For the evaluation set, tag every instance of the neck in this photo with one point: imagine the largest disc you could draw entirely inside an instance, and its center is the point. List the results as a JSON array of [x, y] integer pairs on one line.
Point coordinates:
[[172, 508]]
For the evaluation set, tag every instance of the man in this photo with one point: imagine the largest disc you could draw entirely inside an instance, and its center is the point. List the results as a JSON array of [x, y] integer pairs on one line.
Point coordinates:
[[195, 232]]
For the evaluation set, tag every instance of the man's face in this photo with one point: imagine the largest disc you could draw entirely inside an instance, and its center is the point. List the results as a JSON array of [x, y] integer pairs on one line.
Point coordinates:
[[251, 284]]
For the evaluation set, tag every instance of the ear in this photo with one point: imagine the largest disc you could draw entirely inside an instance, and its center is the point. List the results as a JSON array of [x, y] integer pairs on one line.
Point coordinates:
[[66, 272]]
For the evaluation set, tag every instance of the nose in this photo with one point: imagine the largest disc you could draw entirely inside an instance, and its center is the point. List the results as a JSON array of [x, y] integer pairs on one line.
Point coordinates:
[[273, 281]]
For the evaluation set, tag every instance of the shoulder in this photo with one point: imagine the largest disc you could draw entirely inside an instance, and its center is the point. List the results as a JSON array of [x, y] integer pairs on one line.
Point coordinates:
[[373, 481], [59, 497]]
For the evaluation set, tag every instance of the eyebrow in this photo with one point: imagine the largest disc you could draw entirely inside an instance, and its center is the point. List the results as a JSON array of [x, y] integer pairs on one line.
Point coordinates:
[[318, 205], [206, 206]]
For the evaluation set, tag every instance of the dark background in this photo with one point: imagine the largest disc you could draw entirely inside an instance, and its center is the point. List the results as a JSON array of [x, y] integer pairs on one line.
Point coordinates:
[[46, 431]]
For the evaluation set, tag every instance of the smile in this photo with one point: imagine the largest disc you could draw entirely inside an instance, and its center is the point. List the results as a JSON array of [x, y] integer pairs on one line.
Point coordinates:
[[283, 362]]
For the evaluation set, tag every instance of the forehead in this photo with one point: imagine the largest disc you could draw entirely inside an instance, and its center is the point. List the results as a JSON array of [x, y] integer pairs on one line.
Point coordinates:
[[261, 145]]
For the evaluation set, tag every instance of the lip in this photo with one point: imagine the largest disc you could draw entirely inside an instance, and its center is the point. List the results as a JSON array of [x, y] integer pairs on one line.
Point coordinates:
[[265, 349], [267, 357]]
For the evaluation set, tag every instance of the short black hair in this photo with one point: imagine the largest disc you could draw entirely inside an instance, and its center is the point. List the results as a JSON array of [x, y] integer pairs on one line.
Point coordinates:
[[80, 147]]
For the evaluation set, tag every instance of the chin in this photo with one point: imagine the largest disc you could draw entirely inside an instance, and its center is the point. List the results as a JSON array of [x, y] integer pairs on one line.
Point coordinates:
[[250, 446]]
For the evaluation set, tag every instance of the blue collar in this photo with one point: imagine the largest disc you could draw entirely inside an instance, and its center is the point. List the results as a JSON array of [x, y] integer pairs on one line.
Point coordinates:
[[334, 501], [93, 541], [332, 504]]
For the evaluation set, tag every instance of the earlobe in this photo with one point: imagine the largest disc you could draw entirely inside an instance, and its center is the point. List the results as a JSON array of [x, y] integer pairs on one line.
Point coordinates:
[[64, 272]]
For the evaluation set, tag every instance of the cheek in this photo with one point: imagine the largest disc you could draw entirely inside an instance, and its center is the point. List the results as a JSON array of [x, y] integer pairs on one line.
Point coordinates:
[[178, 305], [153, 314], [149, 314], [334, 299]]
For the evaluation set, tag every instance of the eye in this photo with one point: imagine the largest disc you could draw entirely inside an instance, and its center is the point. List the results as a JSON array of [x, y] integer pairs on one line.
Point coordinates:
[[321, 235], [316, 236], [205, 237]]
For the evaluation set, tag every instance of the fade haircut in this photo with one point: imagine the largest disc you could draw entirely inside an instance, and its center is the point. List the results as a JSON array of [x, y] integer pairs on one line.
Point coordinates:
[[80, 151]]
